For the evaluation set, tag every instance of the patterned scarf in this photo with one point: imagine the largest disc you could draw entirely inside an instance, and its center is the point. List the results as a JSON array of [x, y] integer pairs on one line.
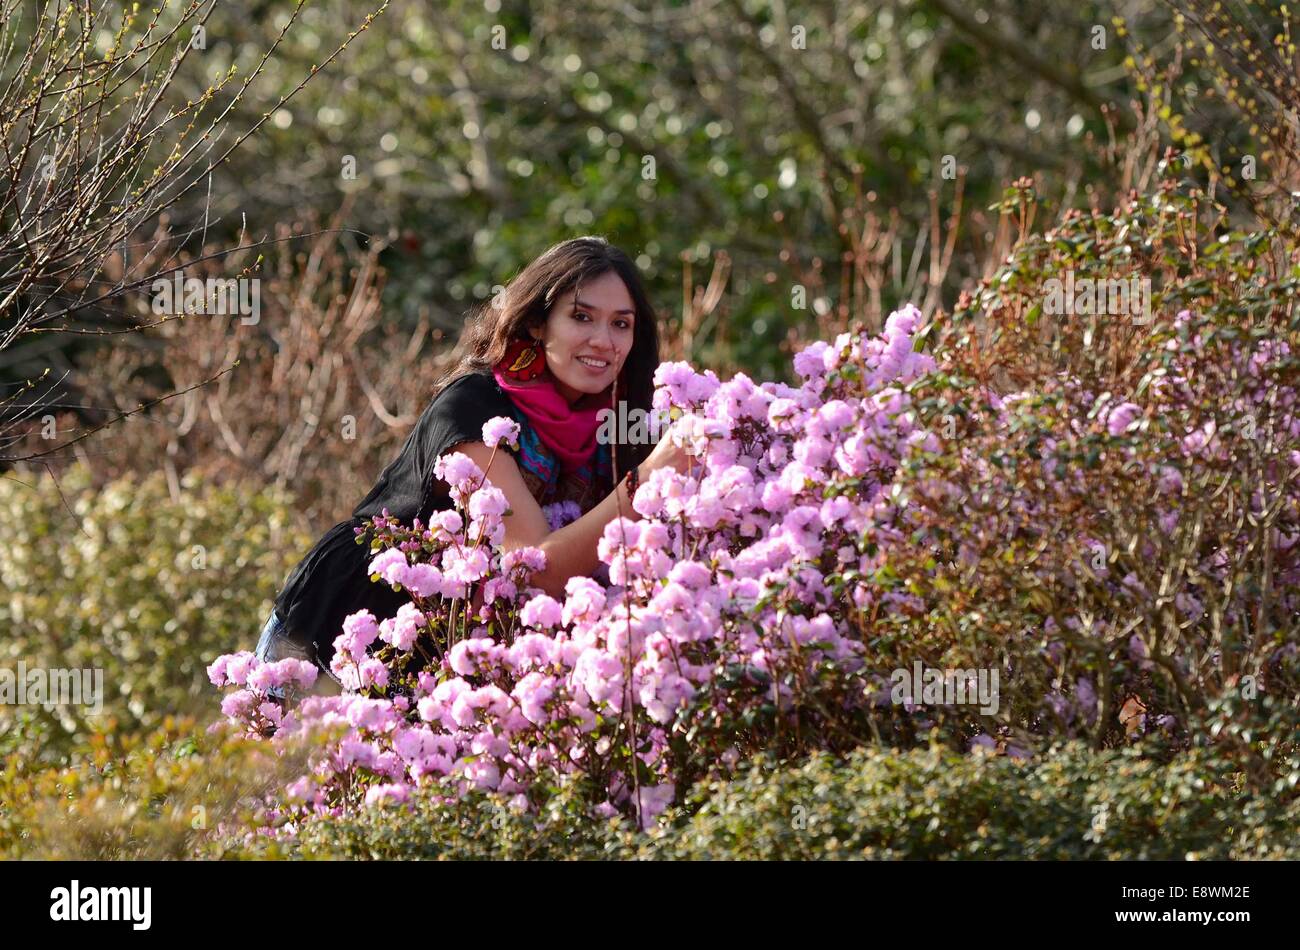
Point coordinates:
[[569, 433]]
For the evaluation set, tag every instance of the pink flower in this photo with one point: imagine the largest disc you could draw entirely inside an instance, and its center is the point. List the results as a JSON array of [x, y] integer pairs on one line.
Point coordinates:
[[542, 612], [459, 472], [304, 672], [585, 601], [619, 532], [1121, 417], [488, 503], [301, 789], [360, 629], [456, 467], [449, 521], [239, 666], [373, 672], [403, 630], [430, 709], [470, 656], [654, 799], [534, 691], [382, 794], [809, 362], [263, 678], [834, 415], [466, 566], [423, 580], [389, 564], [415, 743], [492, 698], [240, 705], [691, 574], [482, 773], [781, 411], [532, 650], [903, 322], [500, 428], [217, 670], [814, 450], [776, 497], [376, 715], [529, 558], [344, 667]]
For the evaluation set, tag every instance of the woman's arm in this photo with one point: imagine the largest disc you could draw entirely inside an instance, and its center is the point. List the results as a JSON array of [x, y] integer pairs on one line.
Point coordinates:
[[570, 551]]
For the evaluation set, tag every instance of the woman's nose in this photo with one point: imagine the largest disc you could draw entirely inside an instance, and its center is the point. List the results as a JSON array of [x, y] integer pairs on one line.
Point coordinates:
[[602, 340]]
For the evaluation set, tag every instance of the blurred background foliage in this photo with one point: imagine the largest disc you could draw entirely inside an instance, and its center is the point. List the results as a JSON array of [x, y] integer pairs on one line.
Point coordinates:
[[778, 171], [483, 132]]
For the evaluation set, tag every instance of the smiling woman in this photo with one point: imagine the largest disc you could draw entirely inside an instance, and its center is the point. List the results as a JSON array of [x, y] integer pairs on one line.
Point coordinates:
[[573, 333]]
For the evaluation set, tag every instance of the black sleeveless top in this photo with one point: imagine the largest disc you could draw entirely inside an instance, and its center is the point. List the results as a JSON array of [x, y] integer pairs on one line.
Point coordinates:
[[331, 581]]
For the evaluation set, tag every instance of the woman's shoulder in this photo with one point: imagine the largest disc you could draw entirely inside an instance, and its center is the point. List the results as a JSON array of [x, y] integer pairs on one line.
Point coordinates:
[[471, 391], [462, 406], [472, 381]]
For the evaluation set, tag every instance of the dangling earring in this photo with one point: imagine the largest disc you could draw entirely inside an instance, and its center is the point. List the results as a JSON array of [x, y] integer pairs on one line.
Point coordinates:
[[524, 360]]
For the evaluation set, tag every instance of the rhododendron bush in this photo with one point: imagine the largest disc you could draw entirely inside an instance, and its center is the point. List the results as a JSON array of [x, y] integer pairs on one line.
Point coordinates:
[[1133, 556], [886, 511]]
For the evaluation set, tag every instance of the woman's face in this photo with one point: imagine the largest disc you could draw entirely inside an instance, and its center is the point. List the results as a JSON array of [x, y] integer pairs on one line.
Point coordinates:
[[595, 330]]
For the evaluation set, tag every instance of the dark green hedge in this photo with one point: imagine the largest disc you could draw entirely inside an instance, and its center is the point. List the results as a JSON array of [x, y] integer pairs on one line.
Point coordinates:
[[926, 804]]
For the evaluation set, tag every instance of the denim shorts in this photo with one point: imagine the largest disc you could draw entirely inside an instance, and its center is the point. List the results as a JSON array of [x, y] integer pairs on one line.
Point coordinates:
[[274, 645]]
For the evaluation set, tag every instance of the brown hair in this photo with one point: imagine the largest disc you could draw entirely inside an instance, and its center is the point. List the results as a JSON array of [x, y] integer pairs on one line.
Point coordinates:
[[525, 304]]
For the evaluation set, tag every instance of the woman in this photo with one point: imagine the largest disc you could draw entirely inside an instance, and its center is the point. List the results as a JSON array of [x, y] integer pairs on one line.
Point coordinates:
[[572, 333]]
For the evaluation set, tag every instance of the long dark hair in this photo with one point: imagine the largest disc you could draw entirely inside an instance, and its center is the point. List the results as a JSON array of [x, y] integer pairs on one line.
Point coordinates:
[[526, 302]]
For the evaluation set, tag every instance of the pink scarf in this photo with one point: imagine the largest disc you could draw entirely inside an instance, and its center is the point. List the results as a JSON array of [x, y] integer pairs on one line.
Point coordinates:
[[569, 433]]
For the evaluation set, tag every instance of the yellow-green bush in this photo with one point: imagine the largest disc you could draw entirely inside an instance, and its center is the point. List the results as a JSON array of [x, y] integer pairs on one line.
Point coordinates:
[[158, 795], [145, 587]]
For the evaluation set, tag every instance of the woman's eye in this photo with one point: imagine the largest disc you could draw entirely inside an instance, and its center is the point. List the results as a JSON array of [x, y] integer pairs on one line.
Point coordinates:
[[623, 324]]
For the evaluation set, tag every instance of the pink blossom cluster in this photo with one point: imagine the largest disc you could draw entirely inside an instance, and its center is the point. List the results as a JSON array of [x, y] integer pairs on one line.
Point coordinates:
[[251, 703]]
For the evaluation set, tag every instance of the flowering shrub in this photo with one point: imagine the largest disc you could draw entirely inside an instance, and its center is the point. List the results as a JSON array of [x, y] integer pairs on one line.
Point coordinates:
[[1113, 516], [728, 625], [826, 536], [1135, 558]]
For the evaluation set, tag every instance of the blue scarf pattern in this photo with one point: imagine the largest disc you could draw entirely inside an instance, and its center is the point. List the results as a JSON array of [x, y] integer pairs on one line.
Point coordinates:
[[537, 460]]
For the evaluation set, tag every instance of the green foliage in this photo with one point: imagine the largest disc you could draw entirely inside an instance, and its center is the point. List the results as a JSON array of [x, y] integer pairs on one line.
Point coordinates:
[[130, 581], [924, 804], [932, 804]]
